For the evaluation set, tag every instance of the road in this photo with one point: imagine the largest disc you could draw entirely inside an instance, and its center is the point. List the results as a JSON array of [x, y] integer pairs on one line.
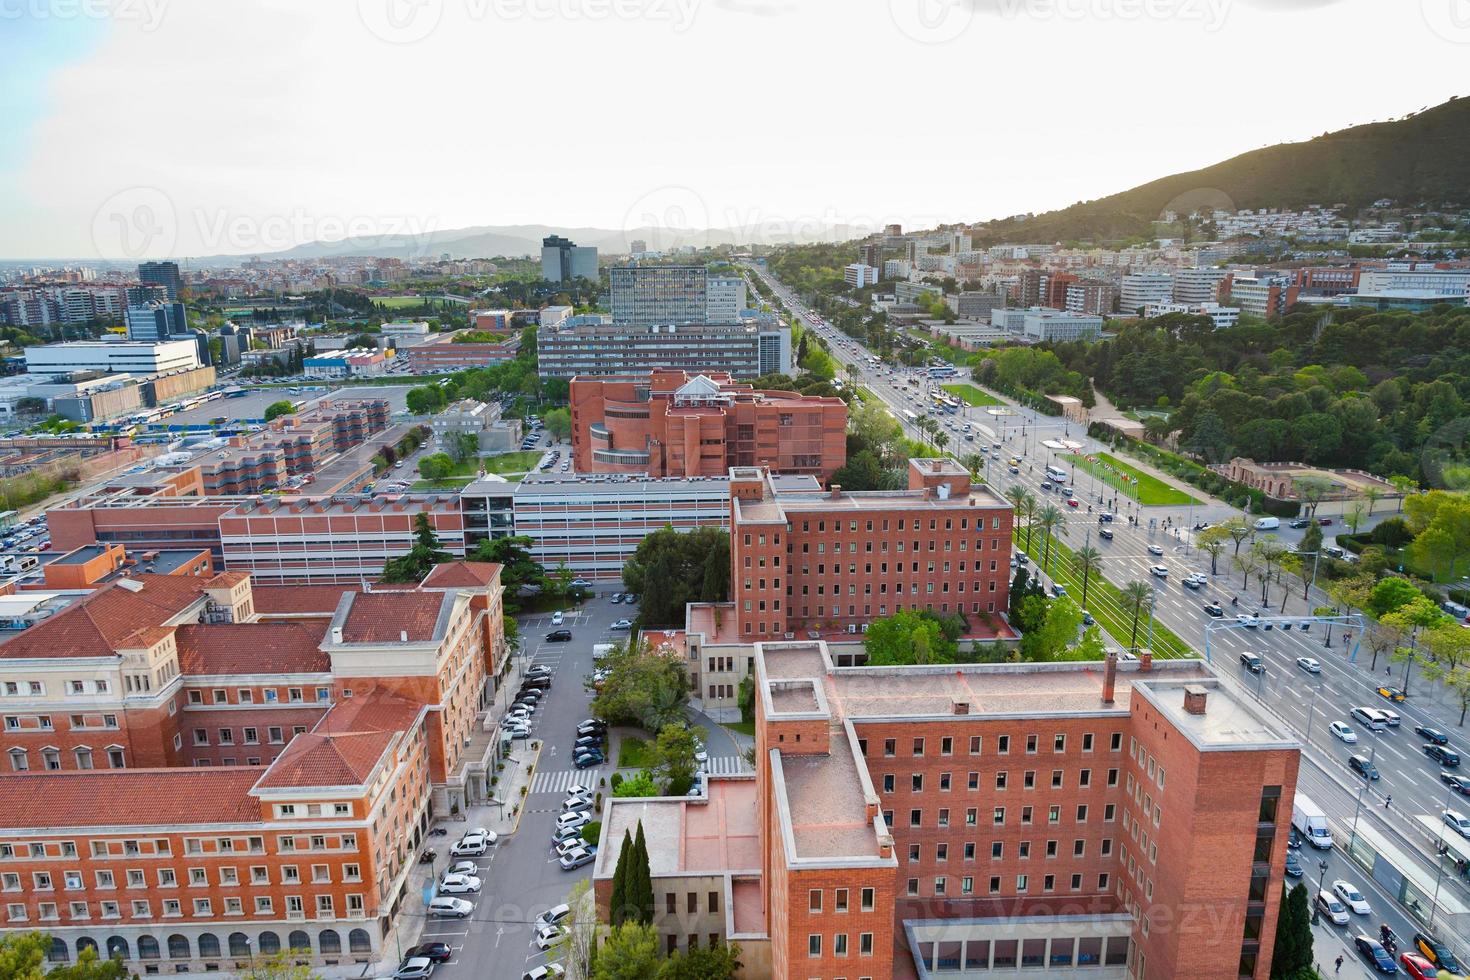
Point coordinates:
[[1305, 702]]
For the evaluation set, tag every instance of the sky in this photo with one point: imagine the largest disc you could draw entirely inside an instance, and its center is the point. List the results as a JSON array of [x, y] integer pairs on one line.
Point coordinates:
[[148, 128]]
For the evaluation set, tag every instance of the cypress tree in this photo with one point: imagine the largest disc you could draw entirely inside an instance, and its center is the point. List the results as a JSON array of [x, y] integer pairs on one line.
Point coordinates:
[[641, 889], [619, 904]]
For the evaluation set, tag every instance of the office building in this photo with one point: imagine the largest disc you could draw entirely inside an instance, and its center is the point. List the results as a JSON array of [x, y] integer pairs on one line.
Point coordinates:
[[1421, 277], [977, 306], [112, 356], [871, 254], [659, 294], [746, 349], [979, 819], [356, 363], [1046, 325], [1094, 297], [156, 321], [242, 769], [672, 423], [1263, 296], [859, 275], [725, 299], [920, 293], [838, 560], [563, 260], [1194, 286], [1139, 289], [146, 294], [492, 321], [481, 421], [1222, 316], [165, 274]]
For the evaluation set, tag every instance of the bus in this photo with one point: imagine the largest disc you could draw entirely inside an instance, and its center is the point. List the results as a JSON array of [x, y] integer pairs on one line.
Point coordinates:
[[1057, 473], [910, 417], [943, 371]]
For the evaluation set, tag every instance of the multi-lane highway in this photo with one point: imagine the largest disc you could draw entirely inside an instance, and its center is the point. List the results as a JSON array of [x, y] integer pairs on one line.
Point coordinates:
[[1308, 702]]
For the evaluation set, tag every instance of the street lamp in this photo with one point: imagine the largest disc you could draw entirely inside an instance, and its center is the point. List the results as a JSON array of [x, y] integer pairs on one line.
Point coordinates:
[[1439, 859], [1321, 877]]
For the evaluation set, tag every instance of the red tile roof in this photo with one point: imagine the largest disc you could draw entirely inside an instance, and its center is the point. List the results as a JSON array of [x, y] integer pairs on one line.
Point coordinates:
[[98, 624], [376, 711], [109, 797], [383, 617], [462, 574], [327, 760], [298, 600], [277, 647]]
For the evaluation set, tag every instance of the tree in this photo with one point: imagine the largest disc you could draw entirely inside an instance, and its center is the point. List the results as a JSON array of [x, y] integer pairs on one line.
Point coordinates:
[[426, 400], [463, 446], [1413, 616], [1391, 594], [1238, 531], [1270, 552], [1210, 438], [640, 881], [517, 568], [1311, 539], [420, 559], [641, 784], [1293, 952], [558, 423], [1048, 519], [670, 569], [90, 966], [278, 966], [436, 466], [1312, 490], [1136, 597], [1381, 638], [1372, 494], [671, 759], [1058, 628], [1355, 514], [1212, 542], [643, 687], [1028, 509], [906, 637], [276, 409], [1088, 561], [1247, 564], [718, 962], [22, 955], [619, 907], [575, 949], [629, 953]]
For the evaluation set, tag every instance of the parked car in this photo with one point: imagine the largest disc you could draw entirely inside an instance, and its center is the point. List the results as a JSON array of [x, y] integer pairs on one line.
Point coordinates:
[[591, 727], [414, 968], [557, 618], [463, 868], [548, 971], [577, 819], [622, 624], [587, 760], [579, 858], [449, 908], [559, 636], [472, 845], [438, 952], [539, 681], [549, 937], [459, 885], [576, 804]]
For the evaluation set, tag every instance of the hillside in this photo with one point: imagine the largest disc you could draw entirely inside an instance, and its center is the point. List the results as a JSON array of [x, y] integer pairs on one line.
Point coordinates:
[[1422, 158]]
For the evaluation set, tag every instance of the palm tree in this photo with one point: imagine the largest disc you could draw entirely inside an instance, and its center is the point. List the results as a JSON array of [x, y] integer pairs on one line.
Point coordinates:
[[941, 439], [975, 463], [1028, 510], [1087, 560], [1050, 518], [1137, 596], [1016, 494]]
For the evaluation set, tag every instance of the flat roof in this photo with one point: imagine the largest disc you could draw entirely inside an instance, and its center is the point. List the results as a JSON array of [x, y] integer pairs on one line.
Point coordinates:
[[823, 795], [620, 484], [709, 836]]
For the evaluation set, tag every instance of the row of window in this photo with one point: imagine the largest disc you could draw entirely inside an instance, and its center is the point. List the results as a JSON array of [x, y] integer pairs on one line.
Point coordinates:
[[20, 759], [839, 944], [941, 885], [1052, 849], [45, 723], [162, 847], [1002, 780], [14, 689], [245, 695], [1002, 746], [295, 907], [998, 816], [74, 880], [931, 546]]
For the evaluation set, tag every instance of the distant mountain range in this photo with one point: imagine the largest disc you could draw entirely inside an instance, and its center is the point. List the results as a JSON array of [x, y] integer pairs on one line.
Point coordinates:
[[488, 241], [1424, 158]]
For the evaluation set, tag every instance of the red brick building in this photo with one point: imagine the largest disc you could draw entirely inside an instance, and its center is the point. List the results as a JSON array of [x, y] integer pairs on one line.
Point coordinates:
[[836, 561], [669, 423]]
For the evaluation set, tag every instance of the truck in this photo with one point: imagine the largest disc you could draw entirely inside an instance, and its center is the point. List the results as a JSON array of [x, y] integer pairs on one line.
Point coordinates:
[[1308, 820], [600, 651]]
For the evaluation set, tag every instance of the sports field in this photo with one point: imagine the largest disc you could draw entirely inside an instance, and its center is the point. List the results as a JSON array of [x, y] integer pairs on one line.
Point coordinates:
[[971, 395], [1147, 490]]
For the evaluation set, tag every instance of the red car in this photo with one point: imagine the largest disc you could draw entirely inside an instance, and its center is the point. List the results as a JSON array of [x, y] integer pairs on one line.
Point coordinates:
[[1417, 967], [1071, 502], [1325, 521]]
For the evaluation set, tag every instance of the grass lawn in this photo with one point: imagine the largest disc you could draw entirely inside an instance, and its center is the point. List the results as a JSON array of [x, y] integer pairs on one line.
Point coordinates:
[[1149, 490], [399, 302], [743, 727], [971, 395], [632, 753], [1104, 599], [510, 462]]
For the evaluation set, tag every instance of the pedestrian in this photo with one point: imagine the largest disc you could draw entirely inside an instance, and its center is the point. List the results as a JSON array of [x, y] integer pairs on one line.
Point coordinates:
[[1388, 801], [1339, 965]]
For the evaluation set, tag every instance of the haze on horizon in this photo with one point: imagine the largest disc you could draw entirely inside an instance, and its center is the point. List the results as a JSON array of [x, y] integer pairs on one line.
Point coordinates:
[[254, 126]]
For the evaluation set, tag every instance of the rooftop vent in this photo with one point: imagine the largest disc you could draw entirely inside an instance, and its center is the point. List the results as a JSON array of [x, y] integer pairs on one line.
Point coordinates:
[[1195, 698]]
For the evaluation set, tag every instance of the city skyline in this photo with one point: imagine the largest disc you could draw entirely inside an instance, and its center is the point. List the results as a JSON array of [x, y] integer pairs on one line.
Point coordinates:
[[268, 142]]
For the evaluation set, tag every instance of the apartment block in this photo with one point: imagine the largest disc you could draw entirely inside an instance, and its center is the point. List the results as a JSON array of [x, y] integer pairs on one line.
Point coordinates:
[[1200, 285], [746, 349], [1142, 288], [202, 772], [1263, 296], [859, 275], [1091, 297], [837, 560], [907, 821], [1222, 317], [672, 423]]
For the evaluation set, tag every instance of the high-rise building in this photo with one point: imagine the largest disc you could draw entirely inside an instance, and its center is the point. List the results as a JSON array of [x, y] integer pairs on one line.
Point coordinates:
[[674, 423], [563, 260], [637, 246], [156, 321], [1091, 296], [1031, 286], [859, 275], [146, 294], [747, 349], [664, 294], [165, 274], [1265, 296], [1194, 286], [871, 253], [724, 299], [1142, 288]]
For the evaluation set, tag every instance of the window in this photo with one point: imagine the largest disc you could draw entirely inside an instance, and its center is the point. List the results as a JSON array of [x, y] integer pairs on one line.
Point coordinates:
[[814, 900], [839, 944], [839, 903], [974, 744], [814, 944], [867, 899], [865, 944], [918, 746]]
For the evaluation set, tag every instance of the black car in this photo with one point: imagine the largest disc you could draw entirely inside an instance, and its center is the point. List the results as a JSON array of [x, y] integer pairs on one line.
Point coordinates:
[[1252, 663], [1105, 518], [1373, 952], [1105, 533], [1361, 765], [1442, 755], [1436, 952], [539, 683], [438, 952], [1293, 865], [1433, 734], [591, 728], [1214, 609], [1460, 784], [589, 743], [559, 636], [1300, 522]]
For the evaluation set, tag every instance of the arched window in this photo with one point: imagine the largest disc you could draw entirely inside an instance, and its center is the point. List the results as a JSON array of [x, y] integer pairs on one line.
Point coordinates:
[[117, 948], [358, 941], [178, 947], [270, 943], [208, 945], [147, 948], [299, 940], [239, 944], [329, 941], [59, 952], [87, 942]]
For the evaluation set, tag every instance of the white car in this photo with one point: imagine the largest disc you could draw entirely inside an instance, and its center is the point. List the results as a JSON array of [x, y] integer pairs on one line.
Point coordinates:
[[1333, 910], [1343, 732], [462, 868], [450, 908], [489, 835], [1159, 571], [459, 884], [557, 617], [577, 818], [568, 846], [1309, 664], [548, 937], [471, 846], [1351, 897], [1247, 620], [551, 971], [577, 789], [1154, 549], [622, 624], [1458, 822]]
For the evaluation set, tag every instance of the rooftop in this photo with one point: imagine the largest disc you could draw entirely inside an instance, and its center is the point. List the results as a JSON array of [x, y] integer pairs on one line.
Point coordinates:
[[462, 574], [824, 797], [696, 836], [275, 647], [299, 600], [112, 797], [313, 759], [99, 624], [391, 617]]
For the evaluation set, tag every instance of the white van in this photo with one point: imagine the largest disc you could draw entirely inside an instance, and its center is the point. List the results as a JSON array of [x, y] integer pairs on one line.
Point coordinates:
[[1372, 718], [1267, 523]]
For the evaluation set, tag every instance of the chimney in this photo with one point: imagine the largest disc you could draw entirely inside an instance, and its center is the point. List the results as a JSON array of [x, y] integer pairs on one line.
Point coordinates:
[[336, 634], [1195, 697], [960, 707], [1145, 660], [1110, 676], [836, 491], [403, 636], [936, 466]]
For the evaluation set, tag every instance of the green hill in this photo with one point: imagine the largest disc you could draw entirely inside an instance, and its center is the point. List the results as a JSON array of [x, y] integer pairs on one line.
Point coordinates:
[[1422, 158]]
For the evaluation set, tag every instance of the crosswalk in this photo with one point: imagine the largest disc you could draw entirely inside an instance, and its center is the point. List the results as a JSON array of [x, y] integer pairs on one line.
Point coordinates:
[[557, 780]]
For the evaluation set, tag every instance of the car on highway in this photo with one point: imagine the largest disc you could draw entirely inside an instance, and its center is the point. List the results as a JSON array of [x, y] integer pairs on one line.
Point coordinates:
[[621, 624], [1391, 717], [1309, 664], [1457, 822], [1087, 619], [1369, 718], [1436, 952], [1363, 766], [1214, 609], [1373, 953], [1159, 571], [449, 908], [1349, 895], [1253, 663], [1247, 620], [1444, 756], [1197, 580], [1417, 967], [1293, 865], [1460, 784], [1332, 910], [1392, 694], [1299, 522], [1343, 732], [1105, 533], [414, 968], [1433, 734], [459, 885], [1071, 501], [438, 952], [1154, 549]]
